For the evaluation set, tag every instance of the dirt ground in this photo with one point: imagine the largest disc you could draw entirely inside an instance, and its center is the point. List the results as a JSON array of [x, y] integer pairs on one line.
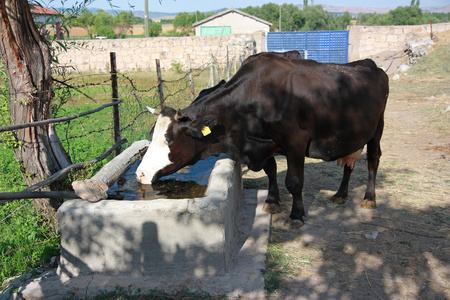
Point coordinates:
[[401, 249]]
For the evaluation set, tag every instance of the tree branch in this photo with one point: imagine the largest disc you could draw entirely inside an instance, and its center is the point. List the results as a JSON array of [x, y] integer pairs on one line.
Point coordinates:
[[66, 170], [63, 119]]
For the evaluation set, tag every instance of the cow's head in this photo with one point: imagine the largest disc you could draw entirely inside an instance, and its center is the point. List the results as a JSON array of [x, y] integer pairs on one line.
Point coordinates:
[[176, 141]]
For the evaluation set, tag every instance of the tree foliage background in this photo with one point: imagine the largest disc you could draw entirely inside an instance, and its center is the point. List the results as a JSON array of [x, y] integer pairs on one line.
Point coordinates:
[[293, 18], [314, 17]]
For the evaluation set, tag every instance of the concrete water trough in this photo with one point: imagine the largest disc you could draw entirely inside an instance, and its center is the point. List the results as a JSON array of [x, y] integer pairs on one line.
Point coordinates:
[[194, 237], [203, 241]]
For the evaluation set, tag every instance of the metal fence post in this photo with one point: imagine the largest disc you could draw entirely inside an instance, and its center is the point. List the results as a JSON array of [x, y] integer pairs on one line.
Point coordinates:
[[115, 96]]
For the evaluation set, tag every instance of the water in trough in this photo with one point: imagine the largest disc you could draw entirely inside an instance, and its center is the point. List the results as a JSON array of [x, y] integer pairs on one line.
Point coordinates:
[[189, 182]]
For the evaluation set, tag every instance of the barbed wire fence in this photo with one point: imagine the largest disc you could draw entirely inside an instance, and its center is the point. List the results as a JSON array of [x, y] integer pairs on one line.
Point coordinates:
[[88, 136], [86, 129]]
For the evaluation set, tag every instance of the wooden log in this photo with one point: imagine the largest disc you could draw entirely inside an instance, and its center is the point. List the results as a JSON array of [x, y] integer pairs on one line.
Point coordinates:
[[90, 190]]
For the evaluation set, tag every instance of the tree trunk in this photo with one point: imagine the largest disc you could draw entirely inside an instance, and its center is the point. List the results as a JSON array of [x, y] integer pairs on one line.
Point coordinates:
[[26, 56]]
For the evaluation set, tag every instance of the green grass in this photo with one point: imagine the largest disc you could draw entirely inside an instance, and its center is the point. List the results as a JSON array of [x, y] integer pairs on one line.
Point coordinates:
[[11, 178], [25, 241], [436, 64], [281, 261]]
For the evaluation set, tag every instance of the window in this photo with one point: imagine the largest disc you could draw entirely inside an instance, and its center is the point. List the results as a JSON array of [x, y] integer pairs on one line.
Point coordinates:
[[215, 30]]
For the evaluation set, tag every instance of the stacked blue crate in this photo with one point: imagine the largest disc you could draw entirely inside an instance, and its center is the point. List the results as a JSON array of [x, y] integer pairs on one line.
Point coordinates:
[[323, 46]]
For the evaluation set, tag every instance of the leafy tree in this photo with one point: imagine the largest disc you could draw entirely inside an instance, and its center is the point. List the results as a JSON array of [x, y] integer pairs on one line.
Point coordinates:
[[312, 17], [183, 21], [27, 59], [123, 23], [103, 23], [436, 17], [270, 12], [107, 31], [317, 19], [288, 17], [154, 29], [406, 15], [86, 21], [362, 18], [343, 21]]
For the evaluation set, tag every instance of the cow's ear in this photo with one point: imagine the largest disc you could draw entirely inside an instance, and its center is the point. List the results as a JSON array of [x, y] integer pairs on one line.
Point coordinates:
[[180, 117], [201, 127]]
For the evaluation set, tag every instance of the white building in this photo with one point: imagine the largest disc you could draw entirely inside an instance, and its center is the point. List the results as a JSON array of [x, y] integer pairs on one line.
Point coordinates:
[[231, 21]]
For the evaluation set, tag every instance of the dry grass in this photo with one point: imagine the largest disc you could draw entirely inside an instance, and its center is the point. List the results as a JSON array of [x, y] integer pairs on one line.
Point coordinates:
[[410, 256]]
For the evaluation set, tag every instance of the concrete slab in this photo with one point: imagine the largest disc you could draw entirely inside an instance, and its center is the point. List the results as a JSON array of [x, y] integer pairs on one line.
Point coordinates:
[[244, 278]]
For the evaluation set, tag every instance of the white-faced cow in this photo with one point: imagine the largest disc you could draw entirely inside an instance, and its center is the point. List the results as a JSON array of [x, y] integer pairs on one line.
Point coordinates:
[[278, 104]]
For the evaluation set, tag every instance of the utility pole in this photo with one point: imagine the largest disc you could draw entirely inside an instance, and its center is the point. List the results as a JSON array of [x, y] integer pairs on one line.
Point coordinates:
[[146, 18], [279, 26]]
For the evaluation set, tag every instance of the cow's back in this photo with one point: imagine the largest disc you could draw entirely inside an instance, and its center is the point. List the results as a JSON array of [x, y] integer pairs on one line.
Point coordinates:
[[338, 105]]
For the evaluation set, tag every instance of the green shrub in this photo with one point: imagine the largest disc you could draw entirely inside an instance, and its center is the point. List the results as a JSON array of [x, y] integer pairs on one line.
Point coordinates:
[[106, 31]]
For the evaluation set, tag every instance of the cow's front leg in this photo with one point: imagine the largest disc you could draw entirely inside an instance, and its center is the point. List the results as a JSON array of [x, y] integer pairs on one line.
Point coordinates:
[[294, 184], [272, 204]]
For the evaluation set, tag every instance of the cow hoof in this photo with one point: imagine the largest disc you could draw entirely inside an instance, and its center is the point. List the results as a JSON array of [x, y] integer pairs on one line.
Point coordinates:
[[271, 208], [293, 224], [368, 204], [337, 200]]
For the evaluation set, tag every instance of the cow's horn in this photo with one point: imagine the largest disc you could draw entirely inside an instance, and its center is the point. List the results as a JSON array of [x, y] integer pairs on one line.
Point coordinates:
[[179, 115], [153, 111]]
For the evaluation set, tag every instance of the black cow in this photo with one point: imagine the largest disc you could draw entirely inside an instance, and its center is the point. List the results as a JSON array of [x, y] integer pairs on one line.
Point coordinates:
[[279, 104]]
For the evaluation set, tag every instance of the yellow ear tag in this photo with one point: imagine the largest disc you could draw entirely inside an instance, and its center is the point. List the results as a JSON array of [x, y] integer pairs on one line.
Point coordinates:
[[206, 130]]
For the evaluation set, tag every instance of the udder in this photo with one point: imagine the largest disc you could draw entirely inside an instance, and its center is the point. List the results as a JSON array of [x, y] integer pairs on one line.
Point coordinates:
[[349, 160]]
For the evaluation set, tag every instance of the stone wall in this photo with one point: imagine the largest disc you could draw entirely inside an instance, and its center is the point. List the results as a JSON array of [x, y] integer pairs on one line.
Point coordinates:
[[139, 54], [368, 41]]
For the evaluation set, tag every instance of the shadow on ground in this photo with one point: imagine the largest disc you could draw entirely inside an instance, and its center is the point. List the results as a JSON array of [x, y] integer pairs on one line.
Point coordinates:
[[396, 251]]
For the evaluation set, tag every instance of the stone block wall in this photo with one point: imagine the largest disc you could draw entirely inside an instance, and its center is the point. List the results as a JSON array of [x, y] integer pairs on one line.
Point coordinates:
[[139, 54], [368, 41]]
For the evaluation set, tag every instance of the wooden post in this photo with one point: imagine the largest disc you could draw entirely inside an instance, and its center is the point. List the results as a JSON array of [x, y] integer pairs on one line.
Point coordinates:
[[115, 96], [191, 80], [228, 66], [160, 84], [431, 29], [211, 72]]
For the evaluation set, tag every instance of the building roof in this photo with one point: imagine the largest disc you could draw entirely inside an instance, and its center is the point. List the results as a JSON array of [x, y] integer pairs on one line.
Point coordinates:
[[231, 10], [40, 10]]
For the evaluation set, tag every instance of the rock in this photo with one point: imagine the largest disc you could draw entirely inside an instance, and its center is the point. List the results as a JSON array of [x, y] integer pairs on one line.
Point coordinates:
[[396, 77], [403, 68], [447, 109]]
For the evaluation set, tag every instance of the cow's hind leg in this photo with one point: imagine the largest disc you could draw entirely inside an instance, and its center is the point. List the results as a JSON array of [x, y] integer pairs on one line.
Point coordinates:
[[272, 204], [341, 194], [373, 160]]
